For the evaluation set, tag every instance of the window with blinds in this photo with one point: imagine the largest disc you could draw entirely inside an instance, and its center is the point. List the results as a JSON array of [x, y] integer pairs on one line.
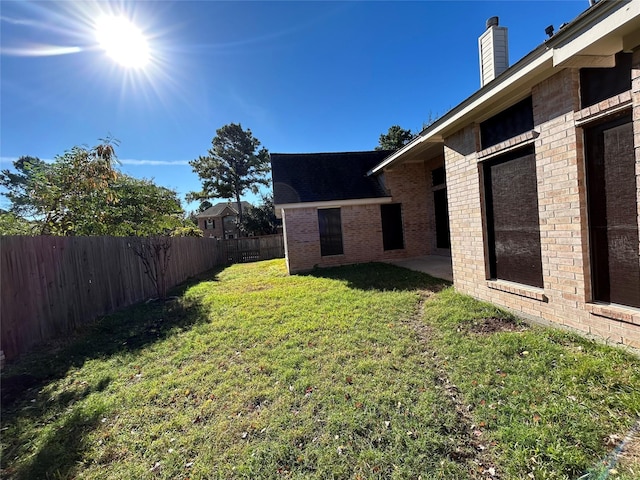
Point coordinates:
[[512, 220], [330, 226], [613, 212]]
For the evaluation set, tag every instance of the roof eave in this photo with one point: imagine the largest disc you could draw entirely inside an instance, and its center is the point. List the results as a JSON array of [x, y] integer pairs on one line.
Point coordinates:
[[435, 133], [541, 63], [279, 207]]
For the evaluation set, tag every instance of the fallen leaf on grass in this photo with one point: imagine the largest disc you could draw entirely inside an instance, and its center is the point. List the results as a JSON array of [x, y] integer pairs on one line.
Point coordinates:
[[612, 440]]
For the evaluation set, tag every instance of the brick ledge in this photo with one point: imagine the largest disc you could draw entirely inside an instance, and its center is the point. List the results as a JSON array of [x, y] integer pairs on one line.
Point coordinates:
[[518, 289], [514, 143], [615, 312], [605, 108]]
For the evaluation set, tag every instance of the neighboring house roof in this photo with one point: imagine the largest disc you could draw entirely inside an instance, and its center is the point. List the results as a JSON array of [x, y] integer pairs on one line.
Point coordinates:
[[601, 31], [321, 177], [218, 209]]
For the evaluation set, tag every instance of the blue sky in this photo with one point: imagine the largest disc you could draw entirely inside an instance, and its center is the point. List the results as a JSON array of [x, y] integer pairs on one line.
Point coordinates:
[[303, 76]]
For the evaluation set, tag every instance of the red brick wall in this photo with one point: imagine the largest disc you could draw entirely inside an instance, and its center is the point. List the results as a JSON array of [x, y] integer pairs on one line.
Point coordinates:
[[362, 226], [465, 218], [215, 232], [410, 184], [566, 296]]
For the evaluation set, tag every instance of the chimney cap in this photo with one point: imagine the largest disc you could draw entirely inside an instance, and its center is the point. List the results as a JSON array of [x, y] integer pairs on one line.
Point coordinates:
[[492, 22]]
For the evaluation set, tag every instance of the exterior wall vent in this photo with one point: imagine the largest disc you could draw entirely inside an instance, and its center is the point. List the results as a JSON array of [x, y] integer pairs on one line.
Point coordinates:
[[493, 47]]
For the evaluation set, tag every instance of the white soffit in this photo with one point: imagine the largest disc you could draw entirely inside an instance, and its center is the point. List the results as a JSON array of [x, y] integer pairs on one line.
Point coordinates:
[[604, 38], [332, 203]]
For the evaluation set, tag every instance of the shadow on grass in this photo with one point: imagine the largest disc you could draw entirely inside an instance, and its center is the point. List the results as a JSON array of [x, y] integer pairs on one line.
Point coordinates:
[[382, 277], [25, 403], [129, 330], [60, 454], [61, 450]]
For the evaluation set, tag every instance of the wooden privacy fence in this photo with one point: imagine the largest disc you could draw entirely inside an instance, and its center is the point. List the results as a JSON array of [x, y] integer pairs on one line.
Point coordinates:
[[51, 285]]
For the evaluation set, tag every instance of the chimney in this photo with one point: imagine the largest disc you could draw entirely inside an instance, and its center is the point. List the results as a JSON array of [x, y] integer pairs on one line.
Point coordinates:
[[494, 51]]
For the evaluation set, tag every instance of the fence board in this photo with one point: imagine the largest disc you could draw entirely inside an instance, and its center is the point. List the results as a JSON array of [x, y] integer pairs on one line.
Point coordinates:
[[51, 285]]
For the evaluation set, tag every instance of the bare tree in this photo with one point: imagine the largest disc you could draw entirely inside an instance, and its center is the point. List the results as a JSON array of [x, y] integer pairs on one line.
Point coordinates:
[[155, 254]]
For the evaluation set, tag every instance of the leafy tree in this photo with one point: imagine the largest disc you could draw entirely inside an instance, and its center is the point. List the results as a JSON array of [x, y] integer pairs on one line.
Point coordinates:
[[187, 231], [394, 139], [142, 208], [18, 185], [191, 218], [203, 206], [235, 163], [82, 193], [70, 195], [261, 220], [12, 224]]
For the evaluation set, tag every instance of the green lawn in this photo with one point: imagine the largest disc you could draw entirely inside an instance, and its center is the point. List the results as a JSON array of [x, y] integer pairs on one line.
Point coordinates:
[[361, 372]]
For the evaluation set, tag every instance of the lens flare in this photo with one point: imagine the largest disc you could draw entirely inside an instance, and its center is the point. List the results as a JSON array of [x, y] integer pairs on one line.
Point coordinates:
[[122, 41]]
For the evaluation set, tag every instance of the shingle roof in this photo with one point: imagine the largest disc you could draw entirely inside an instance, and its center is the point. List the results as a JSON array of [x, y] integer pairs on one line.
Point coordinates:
[[321, 177], [218, 209]]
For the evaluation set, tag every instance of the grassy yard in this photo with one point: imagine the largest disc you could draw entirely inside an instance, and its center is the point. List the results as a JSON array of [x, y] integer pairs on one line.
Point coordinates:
[[360, 372]]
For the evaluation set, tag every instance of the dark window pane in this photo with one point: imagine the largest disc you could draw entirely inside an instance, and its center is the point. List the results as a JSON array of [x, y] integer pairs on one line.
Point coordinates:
[[597, 84], [438, 176], [392, 235], [613, 212], [330, 231], [513, 225], [513, 121], [443, 237]]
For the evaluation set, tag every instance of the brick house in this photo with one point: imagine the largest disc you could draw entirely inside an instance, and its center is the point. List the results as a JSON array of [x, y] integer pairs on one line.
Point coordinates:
[[220, 220], [542, 181]]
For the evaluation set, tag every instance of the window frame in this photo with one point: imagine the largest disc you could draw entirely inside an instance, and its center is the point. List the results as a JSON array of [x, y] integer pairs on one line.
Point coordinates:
[[602, 285], [511, 269], [599, 84], [511, 122], [392, 226], [330, 232]]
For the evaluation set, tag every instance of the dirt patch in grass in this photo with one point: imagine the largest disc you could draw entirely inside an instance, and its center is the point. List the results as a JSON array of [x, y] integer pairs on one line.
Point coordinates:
[[473, 452], [489, 325]]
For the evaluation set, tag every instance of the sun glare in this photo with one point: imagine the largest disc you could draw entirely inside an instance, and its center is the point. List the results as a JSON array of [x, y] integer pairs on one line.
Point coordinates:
[[122, 41]]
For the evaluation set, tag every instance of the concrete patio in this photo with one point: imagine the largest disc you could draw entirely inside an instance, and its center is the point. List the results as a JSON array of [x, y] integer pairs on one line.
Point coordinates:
[[437, 266]]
